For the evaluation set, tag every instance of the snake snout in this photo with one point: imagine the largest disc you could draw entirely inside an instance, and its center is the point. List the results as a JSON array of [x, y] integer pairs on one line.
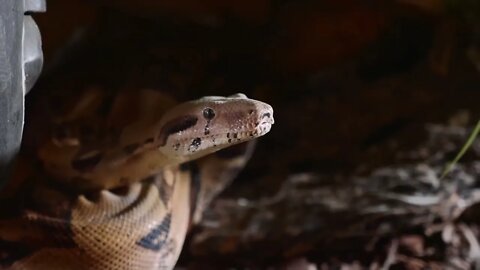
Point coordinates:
[[265, 119]]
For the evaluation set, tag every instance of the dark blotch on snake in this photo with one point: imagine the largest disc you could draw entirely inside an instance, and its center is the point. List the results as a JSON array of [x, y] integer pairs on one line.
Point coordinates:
[[131, 148], [93, 196], [79, 179], [185, 166], [120, 191], [233, 151], [176, 146], [59, 133], [165, 190], [149, 179], [124, 180], [176, 125], [196, 185], [158, 236], [88, 163], [148, 141], [195, 143]]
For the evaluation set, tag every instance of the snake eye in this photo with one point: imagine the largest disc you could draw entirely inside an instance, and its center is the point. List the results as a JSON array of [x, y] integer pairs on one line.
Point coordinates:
[[208, 113]]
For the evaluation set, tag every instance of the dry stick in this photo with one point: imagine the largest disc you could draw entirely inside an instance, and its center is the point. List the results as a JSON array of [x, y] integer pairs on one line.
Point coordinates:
[[391, 256], [474, 253]]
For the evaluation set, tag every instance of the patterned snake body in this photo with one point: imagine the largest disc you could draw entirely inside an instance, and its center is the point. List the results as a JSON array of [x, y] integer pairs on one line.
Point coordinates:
[[127, 204], [186, 132]]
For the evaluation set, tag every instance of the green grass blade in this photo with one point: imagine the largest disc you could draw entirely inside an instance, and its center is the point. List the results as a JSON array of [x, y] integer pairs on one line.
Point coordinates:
[[464, 149]]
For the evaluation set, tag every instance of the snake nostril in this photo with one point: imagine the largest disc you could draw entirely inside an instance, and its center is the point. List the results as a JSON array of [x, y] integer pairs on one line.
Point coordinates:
[[87, 162]]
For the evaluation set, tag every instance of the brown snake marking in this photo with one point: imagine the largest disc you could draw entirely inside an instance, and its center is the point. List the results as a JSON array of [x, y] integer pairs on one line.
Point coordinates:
[[125, 222]]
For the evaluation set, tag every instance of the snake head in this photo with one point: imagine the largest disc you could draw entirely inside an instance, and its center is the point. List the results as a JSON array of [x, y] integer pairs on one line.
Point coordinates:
[[206, 125]]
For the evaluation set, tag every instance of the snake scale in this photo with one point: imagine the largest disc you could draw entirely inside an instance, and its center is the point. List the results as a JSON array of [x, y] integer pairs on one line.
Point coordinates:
[[123, 194]]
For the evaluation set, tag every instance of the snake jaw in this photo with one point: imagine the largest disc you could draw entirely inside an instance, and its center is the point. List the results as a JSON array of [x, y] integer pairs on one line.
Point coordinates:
[[201, 127]]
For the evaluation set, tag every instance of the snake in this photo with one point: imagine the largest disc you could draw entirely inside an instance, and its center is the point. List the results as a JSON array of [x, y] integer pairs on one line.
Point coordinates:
[[124, 194]]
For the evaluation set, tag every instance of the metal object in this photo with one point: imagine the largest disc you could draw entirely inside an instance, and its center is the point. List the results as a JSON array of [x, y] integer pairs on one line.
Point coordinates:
[[21, 61]]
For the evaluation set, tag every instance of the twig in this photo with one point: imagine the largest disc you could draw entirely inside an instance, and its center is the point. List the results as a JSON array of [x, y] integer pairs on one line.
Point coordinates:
[[391, 256]]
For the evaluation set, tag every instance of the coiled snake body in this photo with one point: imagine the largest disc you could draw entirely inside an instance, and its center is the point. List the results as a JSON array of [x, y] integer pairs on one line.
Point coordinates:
[[125, 198]]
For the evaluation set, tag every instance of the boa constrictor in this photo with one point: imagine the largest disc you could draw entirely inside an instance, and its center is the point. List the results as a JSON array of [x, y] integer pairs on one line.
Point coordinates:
[[126, 202]]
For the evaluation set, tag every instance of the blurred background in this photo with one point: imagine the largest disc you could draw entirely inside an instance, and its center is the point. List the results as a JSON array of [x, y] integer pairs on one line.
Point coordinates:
[[371, 98]]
